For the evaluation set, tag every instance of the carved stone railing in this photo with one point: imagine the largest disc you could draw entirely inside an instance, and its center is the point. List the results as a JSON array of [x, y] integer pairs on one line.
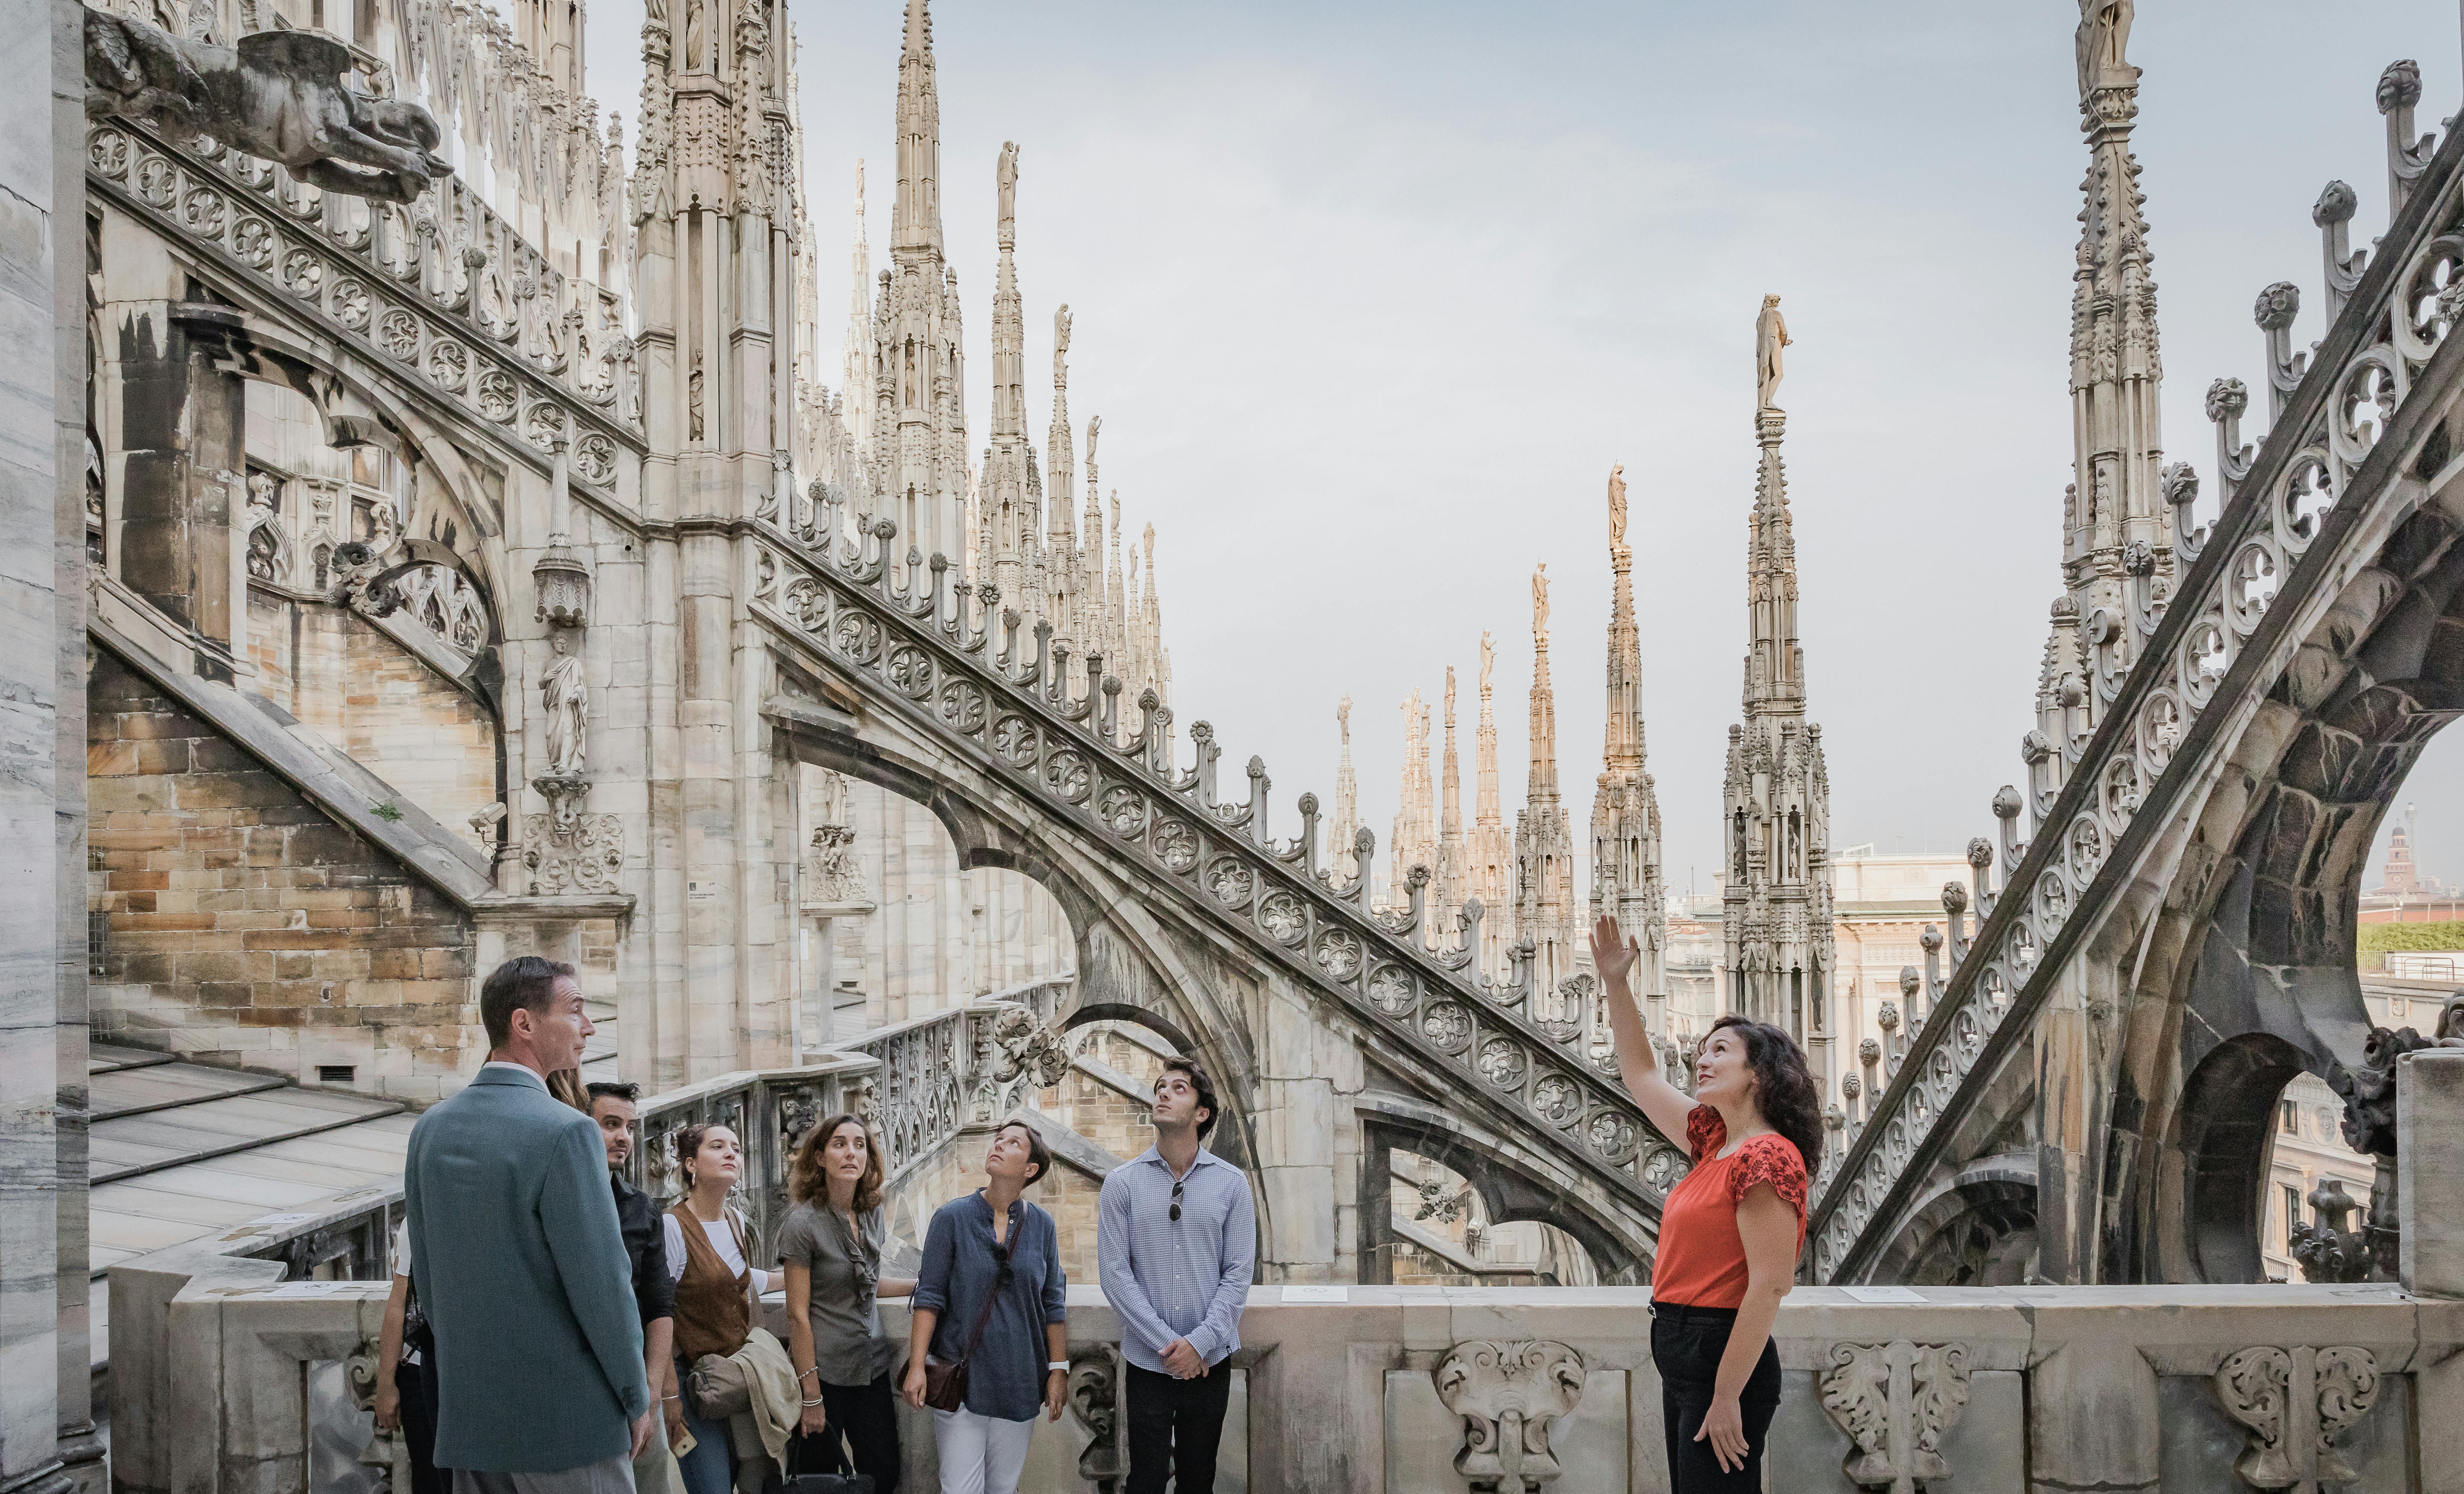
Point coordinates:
[[919, 1083], [946, 663], [1470, 1389], [2342, 417], [445, 291]]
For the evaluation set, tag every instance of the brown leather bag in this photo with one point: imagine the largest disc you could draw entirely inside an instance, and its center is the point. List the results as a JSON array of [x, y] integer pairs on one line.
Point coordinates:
[[945, 1383]]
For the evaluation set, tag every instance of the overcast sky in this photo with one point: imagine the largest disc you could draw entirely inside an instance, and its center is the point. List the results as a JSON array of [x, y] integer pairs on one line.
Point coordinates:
[[1371, 297]]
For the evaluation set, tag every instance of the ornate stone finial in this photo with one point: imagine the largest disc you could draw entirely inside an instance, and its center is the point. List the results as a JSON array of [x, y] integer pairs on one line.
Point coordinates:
[[2296, 1403], [1895, 1401], [2399, 86], [2274, 310], [1508, 1394], [563, 585], [277, 95], [2326, 1248], [2336, 204], [1909, 980], [2228, 399]]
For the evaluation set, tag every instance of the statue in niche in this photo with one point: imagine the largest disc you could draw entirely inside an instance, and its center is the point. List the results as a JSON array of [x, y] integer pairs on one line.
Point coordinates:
[[1617, 504], [1540, 601], [2104, 35], [564, 698], [277, 95], [1795, 847], [1008, 176], [1737, 850], [697, 33], [692, 401], [1771, 335]]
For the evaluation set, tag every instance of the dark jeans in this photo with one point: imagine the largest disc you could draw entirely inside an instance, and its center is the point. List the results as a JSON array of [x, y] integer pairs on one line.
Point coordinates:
[[419, 1428], [710, 1468], [1687, 1344], [1176, 1427], [868, 1417]]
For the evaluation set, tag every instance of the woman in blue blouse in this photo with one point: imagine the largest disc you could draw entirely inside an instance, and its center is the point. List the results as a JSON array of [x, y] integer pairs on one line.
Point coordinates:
[[993, 1247]]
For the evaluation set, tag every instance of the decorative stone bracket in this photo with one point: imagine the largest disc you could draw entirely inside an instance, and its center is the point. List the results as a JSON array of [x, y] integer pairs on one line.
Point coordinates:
[[1508, 1394], [2297, 1402], [1026, 1046], [1895, 1401]]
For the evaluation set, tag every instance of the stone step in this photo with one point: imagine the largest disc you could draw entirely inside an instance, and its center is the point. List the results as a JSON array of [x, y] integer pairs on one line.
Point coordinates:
[[138, 1089], [149, 1141], [174, 1204], [103, 1058]]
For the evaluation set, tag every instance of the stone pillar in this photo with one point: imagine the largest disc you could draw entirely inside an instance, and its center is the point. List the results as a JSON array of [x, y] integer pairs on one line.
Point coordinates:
[[2430, 1171], [182, 425]]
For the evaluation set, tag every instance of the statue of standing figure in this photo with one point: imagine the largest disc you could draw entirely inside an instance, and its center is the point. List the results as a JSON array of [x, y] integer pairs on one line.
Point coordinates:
[[1540, 601], [1488, 661], [1008, 178], [565, 700], [2103, 36], [1771, 335], [1343, 718], [1617, 504]]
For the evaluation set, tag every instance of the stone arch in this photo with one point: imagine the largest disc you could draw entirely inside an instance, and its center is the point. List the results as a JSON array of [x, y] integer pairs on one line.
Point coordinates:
[[1975, 1229], [2250, 960], [1514, 1183]]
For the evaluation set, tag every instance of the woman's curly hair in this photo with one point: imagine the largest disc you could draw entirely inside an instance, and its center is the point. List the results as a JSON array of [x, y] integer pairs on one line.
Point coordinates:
[[1783, 1085]]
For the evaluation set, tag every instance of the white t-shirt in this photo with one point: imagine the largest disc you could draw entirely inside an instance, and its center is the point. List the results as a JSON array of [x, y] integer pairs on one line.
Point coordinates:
[[401, 1247], [722, 1240]]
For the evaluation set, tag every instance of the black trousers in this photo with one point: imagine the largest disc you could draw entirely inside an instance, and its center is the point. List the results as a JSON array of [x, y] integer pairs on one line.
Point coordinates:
[[419, 1428], [867, 1417], [1175, 1428], [1687, 1344]]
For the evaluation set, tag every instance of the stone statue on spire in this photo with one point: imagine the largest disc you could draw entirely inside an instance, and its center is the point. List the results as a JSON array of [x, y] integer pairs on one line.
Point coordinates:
[[1617, 504], [2104, 35], [1771, 335], [1008, 177], [1488, 661], [1061, 349], [1343, 718], [1540, 601]]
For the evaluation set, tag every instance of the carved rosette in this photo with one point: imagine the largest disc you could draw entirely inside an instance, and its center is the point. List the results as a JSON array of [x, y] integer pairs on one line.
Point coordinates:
[[1895, 1401], [1508, 1394]]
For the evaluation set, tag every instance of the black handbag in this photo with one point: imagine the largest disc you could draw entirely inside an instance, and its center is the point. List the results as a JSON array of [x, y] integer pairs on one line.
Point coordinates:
[[803, 1450]]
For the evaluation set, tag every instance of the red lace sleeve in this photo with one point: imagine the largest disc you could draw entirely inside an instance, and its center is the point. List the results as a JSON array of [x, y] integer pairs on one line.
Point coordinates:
[[1704, 1131], [1774, 1160]]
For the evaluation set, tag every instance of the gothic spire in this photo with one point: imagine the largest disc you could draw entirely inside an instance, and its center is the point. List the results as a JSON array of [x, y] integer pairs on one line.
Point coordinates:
[[1625, 812], [1451, 886], [1011, 525], [1493, 847], [1544, 848], [916, 226], [1775, 663], [1342, 861], [856, 374], [1059, 443], [2115, 503]]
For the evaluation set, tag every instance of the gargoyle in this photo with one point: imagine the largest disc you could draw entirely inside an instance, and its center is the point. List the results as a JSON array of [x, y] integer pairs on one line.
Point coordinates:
[[277, 95]]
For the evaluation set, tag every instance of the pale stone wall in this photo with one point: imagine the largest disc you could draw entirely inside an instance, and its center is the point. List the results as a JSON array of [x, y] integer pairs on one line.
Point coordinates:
[[244, 926]]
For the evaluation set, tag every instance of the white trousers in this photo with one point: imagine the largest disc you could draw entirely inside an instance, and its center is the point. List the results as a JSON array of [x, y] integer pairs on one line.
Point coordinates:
[[979, 1455]]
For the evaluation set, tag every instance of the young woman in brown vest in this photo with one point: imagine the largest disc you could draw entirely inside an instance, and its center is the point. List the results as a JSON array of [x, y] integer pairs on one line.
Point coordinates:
[[718, 1292]]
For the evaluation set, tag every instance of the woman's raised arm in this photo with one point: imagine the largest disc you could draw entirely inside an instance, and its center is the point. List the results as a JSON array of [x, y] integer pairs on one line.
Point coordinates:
[[1663, 1104]]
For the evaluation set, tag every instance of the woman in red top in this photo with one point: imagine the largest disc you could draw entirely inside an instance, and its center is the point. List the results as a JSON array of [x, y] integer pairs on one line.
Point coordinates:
[[1729, 1232]]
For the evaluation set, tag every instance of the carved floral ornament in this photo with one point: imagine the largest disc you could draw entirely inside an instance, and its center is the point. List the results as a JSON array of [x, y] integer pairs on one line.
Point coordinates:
[[1508, 1394], [1895, 1401], [2329, 420], [936, 654], [2296, 1404]]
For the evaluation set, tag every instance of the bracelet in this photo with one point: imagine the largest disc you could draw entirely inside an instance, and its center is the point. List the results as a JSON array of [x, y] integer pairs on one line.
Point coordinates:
[[667, 1397], [1057, 1366], [812, 1403], [815, 1370]]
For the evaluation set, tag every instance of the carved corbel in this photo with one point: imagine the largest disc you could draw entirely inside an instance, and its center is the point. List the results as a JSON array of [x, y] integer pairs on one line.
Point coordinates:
[[1096, 1402], [1895, 1401], [2296, 1403], [1508, 1394], [1026, 1046]]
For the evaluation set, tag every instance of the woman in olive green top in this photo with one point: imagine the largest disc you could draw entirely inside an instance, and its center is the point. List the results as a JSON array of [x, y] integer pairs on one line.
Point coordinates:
[[831, 1245]]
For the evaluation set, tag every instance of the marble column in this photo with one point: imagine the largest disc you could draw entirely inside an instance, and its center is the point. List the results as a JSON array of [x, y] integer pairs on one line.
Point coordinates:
[[36, 218]]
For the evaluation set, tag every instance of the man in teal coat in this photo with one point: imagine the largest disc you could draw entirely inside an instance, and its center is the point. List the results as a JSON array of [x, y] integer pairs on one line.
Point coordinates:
[[520, 1266]]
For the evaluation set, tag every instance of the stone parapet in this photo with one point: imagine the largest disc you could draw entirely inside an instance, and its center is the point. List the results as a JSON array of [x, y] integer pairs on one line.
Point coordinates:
[[1383, 1388]]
